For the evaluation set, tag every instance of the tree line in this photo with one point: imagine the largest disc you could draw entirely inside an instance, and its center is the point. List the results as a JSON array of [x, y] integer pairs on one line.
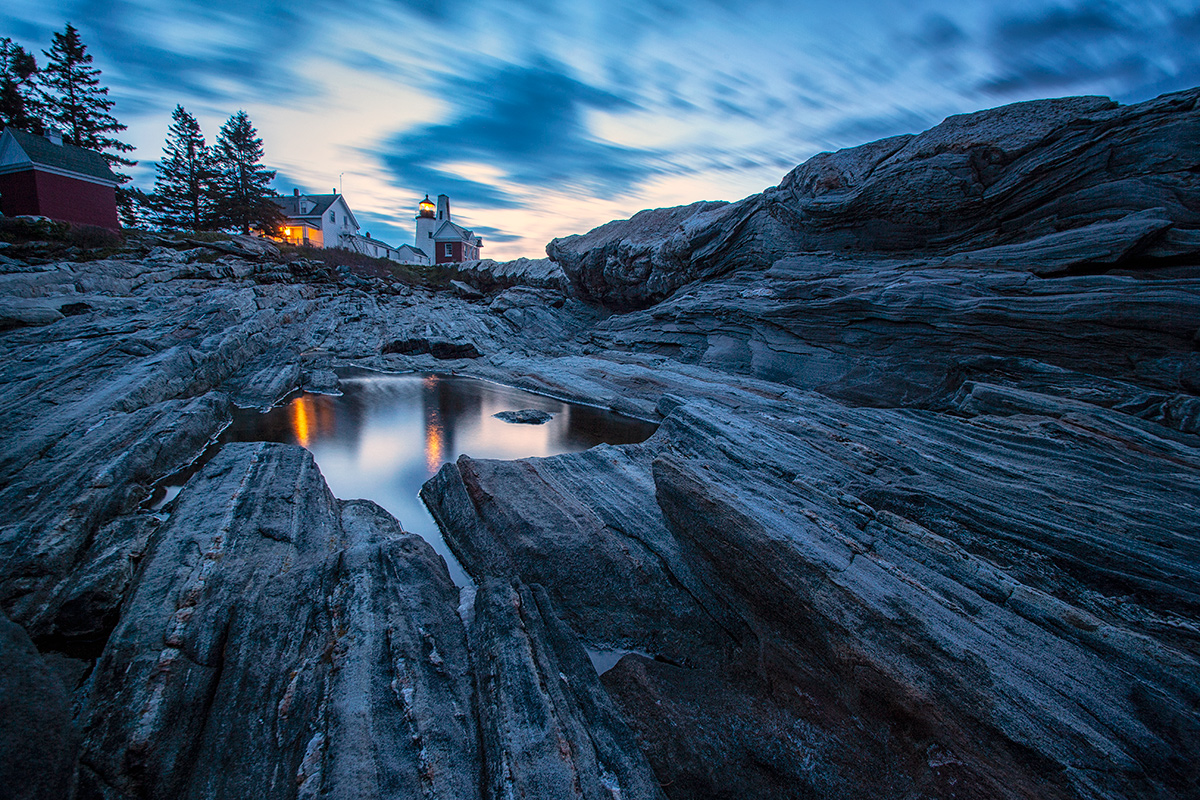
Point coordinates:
[[223, 187], [197, 187]]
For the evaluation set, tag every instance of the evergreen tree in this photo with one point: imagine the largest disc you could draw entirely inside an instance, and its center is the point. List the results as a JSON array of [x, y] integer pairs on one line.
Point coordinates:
[[20, 106], [183, 196], [243, 195], [77, 103], [134, 206]]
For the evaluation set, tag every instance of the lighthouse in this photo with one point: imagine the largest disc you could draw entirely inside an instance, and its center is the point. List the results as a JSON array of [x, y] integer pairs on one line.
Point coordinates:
[[438, 234], [426, 224]]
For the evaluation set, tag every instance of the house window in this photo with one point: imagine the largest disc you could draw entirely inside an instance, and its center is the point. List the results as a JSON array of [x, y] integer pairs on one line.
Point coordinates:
[[448, 250], [333, 216]]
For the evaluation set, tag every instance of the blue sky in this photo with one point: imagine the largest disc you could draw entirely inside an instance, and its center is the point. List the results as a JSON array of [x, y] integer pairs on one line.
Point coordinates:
[[543, 118]]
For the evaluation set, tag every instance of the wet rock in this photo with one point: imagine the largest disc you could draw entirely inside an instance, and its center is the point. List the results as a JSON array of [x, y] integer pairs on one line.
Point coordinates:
[[263, 385], [325, 381], [526, 416]]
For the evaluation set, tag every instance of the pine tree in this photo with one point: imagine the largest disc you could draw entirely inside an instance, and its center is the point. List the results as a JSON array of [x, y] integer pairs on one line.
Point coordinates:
[[183, 196], [243, 195], [77, 103], [20, 106]]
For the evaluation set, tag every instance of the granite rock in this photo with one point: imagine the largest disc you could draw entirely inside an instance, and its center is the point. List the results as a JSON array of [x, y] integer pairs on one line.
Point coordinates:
[[918, 520], [977, 182]]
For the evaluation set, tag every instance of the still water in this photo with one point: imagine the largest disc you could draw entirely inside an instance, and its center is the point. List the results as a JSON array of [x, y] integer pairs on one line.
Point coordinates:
[[385, 435]]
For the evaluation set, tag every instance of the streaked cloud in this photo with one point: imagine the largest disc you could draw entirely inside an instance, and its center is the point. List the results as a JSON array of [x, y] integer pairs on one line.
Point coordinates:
[[528, 124], [547, 117]]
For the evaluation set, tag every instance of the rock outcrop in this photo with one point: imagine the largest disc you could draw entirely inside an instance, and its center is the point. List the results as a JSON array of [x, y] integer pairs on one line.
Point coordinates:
[[878, 601], [280, 643], [1120, 180], [918, 519], [489, 275]]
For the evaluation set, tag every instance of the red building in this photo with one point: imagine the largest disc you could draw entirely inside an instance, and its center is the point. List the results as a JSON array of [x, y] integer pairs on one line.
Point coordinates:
[[43, 176]]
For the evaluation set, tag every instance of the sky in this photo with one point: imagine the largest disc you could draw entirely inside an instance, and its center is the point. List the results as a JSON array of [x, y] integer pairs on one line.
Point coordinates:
[[545, 118]]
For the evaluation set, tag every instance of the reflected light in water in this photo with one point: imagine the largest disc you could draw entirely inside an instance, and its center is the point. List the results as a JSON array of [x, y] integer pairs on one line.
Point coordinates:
[[435, 434], [435, 447], [300, 420], [386, 435]]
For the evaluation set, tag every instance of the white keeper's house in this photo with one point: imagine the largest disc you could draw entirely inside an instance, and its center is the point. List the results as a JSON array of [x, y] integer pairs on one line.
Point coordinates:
[[325, 220]]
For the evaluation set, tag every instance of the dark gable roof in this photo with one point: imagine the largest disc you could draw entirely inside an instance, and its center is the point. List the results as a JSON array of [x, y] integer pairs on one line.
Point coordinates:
[[44, 153], [291, 204]]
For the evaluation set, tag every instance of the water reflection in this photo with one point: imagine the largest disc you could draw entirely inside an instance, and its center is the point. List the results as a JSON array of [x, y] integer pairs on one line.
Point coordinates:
[[386, 435]]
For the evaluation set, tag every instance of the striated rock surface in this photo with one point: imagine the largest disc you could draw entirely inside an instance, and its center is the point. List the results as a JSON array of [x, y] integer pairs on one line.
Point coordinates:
[[1123, 178], [489, 275], [280, 643], [943, 582], [919, 519]]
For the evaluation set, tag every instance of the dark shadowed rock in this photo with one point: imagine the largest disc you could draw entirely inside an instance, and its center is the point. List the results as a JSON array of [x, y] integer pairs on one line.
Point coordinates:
[[465, 291], [815, 565], [550, 730], [36, 734]]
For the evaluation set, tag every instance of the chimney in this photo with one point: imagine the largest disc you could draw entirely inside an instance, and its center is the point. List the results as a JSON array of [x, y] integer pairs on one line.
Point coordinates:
[[443, 207], [334, 190], [295, 192], [54, 135]]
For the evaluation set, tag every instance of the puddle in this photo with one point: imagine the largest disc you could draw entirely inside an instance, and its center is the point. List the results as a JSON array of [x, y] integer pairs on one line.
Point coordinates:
[[385, 435]]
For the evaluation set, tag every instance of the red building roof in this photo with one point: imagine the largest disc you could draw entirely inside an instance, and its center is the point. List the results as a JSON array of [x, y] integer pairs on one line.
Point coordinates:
[[49, 178], [21, 150]]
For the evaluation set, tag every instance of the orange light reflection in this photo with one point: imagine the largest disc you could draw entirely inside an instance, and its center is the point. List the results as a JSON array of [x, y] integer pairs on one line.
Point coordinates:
[[435, 445], [301, 414]]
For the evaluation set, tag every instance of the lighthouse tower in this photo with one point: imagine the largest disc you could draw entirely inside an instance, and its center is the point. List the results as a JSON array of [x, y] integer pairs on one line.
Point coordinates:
[[426, 225]]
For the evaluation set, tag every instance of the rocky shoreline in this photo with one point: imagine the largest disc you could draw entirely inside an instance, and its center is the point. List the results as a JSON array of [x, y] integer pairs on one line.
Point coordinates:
[[919, 519]]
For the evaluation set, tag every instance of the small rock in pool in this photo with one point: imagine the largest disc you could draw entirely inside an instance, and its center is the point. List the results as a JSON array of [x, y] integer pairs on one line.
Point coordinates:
[[526, 416]]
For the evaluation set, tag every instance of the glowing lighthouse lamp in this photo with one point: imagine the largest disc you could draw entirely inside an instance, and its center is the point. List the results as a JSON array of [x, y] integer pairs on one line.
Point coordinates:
[[426, 207]]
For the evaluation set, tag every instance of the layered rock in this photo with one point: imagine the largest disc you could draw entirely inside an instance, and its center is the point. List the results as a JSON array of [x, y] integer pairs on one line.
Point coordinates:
[[281, 643], [1016, 175], [886, 332], [915, 523], [802, 565]]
